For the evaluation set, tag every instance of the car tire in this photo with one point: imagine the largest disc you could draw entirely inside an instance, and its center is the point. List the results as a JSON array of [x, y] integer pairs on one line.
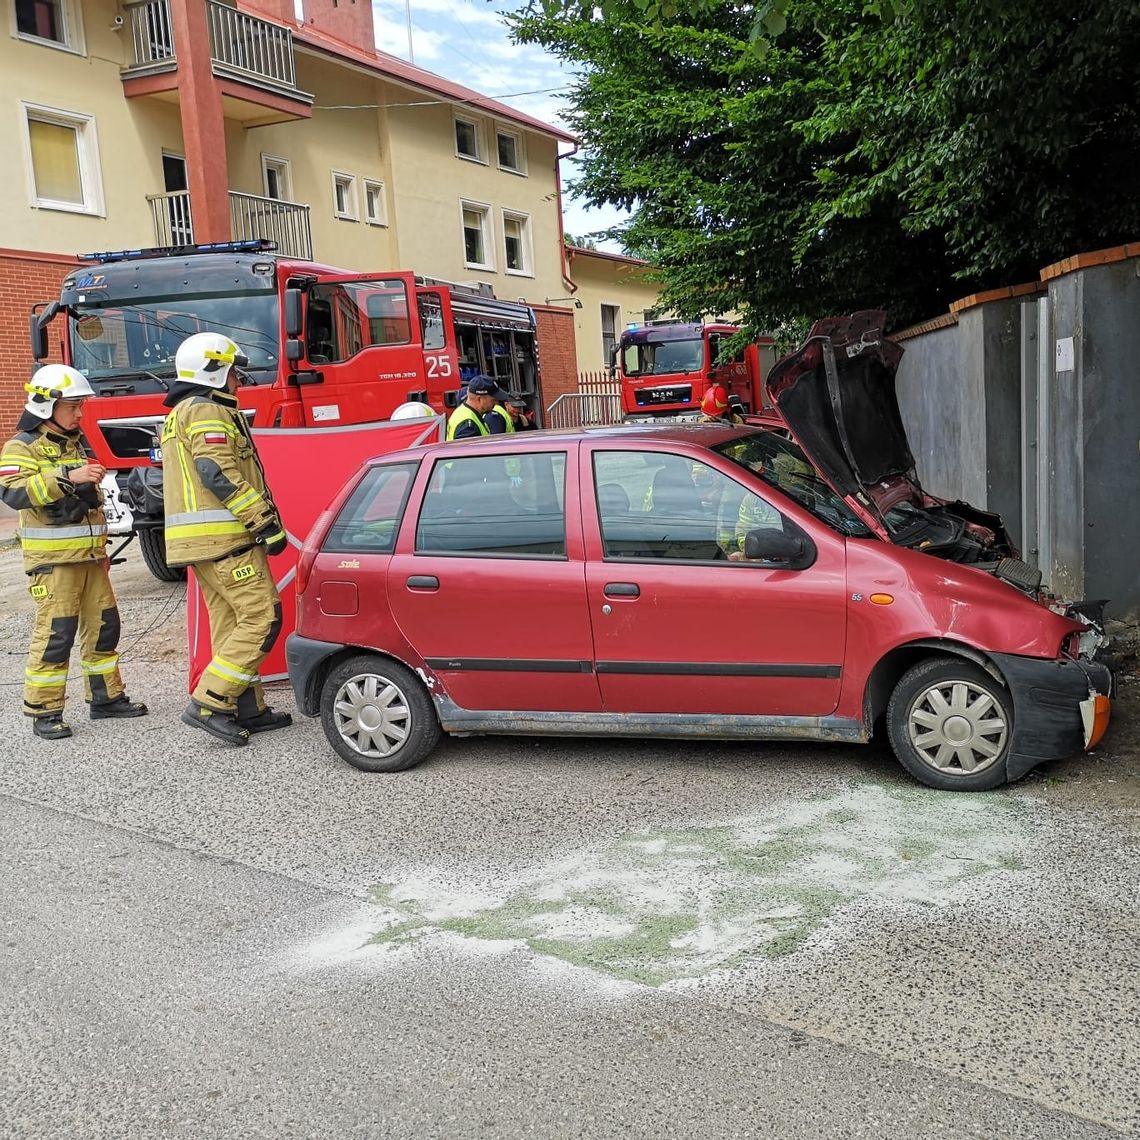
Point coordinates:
[[152, 543], [950, 723], [377, 715]]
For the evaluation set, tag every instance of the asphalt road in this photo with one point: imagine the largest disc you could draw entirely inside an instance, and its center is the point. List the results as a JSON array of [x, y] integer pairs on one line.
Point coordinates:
[[547, 938]]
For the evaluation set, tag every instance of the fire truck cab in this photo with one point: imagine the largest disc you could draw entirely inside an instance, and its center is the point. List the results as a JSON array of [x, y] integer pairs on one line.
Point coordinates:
[[665, 368], [326, 348]]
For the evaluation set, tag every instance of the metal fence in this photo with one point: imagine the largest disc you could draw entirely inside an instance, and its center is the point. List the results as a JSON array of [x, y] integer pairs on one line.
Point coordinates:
[[596, 403], [170, 214]]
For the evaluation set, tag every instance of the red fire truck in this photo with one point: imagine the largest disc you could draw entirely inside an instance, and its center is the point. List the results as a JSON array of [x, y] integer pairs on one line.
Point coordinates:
[[665, 367], [326, 347]]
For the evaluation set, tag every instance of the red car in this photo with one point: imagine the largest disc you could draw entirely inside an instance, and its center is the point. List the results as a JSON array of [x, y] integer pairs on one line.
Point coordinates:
[[691, 581]]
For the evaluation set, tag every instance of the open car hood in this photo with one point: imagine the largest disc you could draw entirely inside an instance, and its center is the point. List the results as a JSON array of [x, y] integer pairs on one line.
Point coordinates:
[[836, 393]]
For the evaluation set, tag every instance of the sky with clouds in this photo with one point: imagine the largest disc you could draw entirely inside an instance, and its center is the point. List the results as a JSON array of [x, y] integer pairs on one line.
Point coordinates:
[[467, 41]]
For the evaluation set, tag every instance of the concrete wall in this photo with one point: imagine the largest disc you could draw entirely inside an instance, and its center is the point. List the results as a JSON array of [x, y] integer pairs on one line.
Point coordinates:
[[1070, 349]]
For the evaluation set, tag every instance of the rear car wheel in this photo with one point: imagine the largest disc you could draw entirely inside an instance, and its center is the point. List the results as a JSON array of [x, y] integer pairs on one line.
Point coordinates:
[[152, 543], [950, 724], [377, 714]]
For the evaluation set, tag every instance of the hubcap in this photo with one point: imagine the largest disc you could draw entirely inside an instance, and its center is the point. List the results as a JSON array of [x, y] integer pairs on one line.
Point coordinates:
[[372, 715], [958, 728]]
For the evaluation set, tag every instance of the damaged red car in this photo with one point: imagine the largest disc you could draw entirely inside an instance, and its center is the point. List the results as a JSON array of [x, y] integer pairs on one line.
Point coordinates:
[[699, 581]]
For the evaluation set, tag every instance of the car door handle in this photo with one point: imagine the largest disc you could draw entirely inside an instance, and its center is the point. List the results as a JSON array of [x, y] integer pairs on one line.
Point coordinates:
[[423, 582], [622, 590]]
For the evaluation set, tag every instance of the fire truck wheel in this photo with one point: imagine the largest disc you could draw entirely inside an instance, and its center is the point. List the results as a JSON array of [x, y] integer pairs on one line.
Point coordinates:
[[152, 542]]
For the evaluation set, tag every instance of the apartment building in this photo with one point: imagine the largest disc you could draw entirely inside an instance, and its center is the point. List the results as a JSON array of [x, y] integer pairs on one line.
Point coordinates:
[[167, 122]]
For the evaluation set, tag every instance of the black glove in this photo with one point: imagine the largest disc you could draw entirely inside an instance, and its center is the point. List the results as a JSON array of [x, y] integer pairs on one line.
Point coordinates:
[[274, 538]]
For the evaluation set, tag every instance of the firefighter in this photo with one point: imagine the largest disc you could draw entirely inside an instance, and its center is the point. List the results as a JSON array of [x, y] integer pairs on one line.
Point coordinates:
[[469, 419], [46, 473], [716, 407], [222, 522]]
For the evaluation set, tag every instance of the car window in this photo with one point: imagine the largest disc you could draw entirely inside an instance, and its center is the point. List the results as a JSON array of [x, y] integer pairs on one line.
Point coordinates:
[[655, 505], [780, 463], [496, 505], [368, 522]]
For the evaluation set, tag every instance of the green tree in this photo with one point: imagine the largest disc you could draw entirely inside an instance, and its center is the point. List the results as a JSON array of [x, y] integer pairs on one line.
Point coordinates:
[[814, 157]]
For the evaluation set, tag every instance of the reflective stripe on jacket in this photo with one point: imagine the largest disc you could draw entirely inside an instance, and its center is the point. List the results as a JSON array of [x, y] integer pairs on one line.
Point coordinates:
[[462, 414], [58, 521], [507, 418], [214, 492]]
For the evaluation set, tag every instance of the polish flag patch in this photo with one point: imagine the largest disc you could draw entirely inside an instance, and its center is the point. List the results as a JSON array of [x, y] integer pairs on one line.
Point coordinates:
[[9, 471], [214, 436]]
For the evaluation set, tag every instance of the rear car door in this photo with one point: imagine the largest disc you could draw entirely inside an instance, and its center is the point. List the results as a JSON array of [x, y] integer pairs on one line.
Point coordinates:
[[489, 586], [682, 627]]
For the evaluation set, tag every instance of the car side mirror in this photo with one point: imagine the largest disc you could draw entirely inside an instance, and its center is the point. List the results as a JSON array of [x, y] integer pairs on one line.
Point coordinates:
[[293, 350], [775, 549]]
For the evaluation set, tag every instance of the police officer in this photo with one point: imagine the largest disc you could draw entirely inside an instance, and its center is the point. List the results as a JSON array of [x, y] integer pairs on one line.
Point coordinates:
[[47, 475], [469, 419], [500, 419], [221, 521]]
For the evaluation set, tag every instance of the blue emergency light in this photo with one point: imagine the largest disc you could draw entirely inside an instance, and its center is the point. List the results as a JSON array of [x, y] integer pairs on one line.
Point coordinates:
[[253, 245]]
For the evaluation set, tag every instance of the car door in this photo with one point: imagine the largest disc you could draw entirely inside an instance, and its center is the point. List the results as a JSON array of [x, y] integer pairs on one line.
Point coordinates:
[[682, 622], [489, 585]]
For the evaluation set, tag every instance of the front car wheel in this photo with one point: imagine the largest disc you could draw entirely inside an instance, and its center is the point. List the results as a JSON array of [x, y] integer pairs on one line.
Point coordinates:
[[950, 724]]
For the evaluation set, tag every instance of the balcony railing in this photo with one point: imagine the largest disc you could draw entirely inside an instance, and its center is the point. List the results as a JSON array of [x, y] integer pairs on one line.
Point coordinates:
[[250, 46], [241, 46], [251, 216]]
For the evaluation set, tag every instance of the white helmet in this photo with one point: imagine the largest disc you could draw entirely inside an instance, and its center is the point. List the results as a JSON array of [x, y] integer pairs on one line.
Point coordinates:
[[413, 410], [55, 382], [206, 359]]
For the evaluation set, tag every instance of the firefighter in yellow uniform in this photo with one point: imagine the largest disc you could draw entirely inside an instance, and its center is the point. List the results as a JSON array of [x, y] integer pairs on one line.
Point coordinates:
[[222, 522], [47, 475]]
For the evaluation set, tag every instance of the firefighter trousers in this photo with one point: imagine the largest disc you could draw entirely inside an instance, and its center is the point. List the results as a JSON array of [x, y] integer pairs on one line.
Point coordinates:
[[72, 598], [245, 620]]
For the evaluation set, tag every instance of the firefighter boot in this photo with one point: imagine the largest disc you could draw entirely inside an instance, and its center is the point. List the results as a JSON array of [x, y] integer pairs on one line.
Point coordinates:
[[51, 727], [121, 706], [264, 721], [222, 725]]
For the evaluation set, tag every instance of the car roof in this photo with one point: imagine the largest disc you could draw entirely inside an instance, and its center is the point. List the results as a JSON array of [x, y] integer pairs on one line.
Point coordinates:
[[704, 435]]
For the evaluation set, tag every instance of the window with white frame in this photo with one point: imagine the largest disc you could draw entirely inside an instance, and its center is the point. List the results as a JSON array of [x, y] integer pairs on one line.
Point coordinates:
[[516, 244], [477, 235], [375, 208], [276, 178], [344, 196], [49, 21], [62, 153], [467, 139], [510, 150]]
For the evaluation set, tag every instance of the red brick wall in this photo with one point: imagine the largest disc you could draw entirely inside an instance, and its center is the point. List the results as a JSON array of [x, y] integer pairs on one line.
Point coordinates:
[[25, 278], [557, 357]]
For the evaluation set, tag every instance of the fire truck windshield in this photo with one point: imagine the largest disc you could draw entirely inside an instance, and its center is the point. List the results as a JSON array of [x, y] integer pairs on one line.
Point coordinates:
[[660, 358], [112, 338]]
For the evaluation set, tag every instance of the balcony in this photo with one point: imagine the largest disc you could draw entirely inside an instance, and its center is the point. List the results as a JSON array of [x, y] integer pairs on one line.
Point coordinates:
[[252, 58], [251, 216]]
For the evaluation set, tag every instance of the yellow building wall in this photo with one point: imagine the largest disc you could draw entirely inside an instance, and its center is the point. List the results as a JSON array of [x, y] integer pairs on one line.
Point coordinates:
[[131, 136], [602, 281]]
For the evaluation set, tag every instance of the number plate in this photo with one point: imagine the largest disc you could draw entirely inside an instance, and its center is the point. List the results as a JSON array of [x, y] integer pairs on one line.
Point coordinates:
[[156, 455]]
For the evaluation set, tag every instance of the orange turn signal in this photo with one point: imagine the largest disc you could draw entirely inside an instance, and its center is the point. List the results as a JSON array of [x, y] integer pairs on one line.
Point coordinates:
[[1102, 711], [882, 599]]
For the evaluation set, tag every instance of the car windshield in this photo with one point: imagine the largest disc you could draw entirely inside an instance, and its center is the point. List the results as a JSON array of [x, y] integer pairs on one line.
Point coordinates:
[[781, 464], [112, 338]]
